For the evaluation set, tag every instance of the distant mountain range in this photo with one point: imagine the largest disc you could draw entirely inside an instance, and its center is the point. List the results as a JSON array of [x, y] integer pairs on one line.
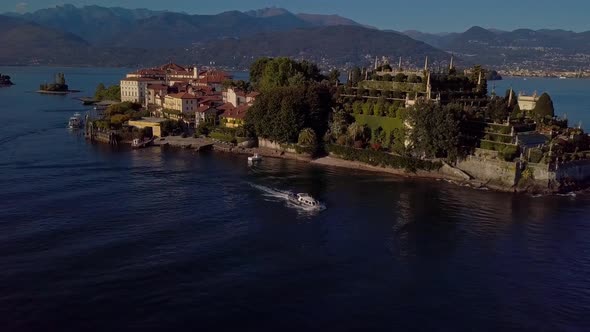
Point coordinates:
[[95, 35], [541, 48]]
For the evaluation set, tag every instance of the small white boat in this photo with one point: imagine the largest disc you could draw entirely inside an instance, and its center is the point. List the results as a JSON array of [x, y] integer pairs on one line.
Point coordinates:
[[305, 200], [255, 158], [141, 143], [75, 121], [562, 78]]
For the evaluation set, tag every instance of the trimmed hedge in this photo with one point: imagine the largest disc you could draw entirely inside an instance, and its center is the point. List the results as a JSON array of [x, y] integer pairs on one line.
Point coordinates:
[[221, 136], [500, 129], [494, 146], [377, 158]]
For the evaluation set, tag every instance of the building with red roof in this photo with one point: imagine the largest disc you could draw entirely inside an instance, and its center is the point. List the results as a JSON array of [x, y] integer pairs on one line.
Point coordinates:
[[233, 117]]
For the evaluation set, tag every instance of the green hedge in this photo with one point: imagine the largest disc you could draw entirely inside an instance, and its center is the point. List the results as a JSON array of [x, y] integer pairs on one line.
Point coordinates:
[[498, 138], [377, 158], [221, 136], [500, 129], [535, 155], [494, 146]]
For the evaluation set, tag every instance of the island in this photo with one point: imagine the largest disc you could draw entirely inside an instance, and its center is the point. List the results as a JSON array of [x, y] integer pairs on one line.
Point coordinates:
[[5, 80], [430, 122], [58, 87]]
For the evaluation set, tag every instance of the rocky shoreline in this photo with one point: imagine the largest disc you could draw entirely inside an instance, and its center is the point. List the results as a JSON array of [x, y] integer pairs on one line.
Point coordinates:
[[446, 173]]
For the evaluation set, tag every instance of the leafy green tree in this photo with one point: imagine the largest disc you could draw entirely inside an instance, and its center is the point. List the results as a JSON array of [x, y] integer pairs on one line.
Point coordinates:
[[368, 108], [413, 79], [334, 76], [356, 76], [203, 128], [307, 137], [357, 107], [379, 135], [400, 77], [474, 78], [118, 119], [397, 141], [100, 89], [339, 123], [434, 130], [358, 132], [544, 106], [280, 113], [360, 92], [498, 109], [257, 70], [267, 73], [113, 92]]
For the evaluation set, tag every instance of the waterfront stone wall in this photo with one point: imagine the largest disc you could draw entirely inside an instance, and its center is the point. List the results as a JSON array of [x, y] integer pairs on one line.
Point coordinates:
[[494, 171], [265, 143]]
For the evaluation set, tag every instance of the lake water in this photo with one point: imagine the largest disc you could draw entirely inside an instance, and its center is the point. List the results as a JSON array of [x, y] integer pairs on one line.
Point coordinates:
[[94, 238], [571, 97]]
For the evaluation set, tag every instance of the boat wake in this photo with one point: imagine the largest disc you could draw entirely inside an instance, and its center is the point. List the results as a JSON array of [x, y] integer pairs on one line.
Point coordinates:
[[277, 195]]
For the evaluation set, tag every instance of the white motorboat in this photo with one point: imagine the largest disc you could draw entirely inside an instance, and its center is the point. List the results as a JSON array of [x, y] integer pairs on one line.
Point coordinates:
[[305, 200], [255, 158], [141, 143], [75, 121]]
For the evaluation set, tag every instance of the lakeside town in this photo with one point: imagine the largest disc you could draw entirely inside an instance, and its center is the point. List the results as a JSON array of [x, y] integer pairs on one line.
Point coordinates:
[[438, 123]]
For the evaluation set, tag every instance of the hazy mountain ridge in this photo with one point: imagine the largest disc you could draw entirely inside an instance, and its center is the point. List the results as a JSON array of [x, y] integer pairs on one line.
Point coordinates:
[[117, 36], [543, 48], [74, 32], [331, 44]]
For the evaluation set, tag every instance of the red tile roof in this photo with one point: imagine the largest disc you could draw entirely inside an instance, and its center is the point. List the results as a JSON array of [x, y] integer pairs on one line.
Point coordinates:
[[183, 95], [205, 108], [157, 87], [236, 113], [253, 94], [226, 106], [139, 79], [173, 67]]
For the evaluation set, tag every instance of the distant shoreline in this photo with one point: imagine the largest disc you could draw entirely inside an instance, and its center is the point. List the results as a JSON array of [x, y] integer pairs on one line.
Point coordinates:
[[57, 92]]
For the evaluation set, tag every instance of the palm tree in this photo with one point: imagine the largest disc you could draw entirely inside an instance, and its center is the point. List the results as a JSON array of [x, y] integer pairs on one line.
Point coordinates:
[[307, 137], [356, 132]]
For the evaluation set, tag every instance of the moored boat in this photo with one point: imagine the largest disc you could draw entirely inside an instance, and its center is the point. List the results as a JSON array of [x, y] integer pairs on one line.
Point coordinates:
[[141, 143], [255, 158], [75, 121]]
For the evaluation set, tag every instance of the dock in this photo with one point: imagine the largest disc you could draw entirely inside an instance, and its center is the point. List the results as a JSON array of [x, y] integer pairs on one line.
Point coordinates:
[[198, 144]]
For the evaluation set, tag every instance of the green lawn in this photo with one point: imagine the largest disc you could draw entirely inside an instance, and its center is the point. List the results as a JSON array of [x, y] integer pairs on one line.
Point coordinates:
[[388, 124]]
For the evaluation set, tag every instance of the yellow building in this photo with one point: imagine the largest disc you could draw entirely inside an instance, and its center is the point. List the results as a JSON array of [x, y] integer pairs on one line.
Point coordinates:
[[153, 123], [183, 102], [233, 117]]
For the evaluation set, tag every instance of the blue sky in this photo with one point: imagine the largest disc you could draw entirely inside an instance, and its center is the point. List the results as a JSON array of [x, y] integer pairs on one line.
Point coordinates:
[[425, 15]]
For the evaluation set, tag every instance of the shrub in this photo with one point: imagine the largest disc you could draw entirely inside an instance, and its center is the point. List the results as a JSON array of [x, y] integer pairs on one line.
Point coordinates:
[[535, 155], [509, 152], [377, 158], [222, 136]]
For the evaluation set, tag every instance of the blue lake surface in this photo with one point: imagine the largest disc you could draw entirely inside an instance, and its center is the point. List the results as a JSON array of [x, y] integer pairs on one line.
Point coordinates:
[[94, 238], [571, 97]]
